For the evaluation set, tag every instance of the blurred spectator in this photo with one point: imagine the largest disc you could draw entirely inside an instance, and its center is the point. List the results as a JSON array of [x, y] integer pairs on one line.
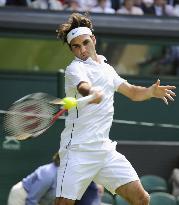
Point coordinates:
[[73, 5], [138, 3], [176, 10], [160, 8], [2, 2], [174, 179], [146, 6], [172, 2], [116, 4], [166, 63], [130, 8], [143, 4], [102, 7], [169, 63], [16, 3], [46, 4], [62, 1], [86, 5]]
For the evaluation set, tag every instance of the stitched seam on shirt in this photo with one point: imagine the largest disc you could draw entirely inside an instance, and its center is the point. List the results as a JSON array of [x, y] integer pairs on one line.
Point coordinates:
[[67, 147]]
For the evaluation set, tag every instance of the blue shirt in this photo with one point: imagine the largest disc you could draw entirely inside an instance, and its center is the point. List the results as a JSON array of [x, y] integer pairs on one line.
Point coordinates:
[[41, 188], [91, 196], [41, 185]]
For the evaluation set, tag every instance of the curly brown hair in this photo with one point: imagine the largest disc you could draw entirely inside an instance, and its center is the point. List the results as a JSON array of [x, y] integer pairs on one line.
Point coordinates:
[[75, 20]]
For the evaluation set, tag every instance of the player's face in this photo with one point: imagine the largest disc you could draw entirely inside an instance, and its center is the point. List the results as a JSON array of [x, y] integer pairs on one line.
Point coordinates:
[[83, 47]]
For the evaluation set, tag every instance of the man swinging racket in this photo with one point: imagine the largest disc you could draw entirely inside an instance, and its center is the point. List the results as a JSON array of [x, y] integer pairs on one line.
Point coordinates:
[[87, 154]]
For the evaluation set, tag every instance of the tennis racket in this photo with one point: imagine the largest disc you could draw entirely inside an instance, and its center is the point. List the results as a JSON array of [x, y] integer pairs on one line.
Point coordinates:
[[33, 114]]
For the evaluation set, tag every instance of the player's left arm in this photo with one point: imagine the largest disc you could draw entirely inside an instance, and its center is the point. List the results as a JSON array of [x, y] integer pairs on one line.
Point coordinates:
[[139, 93]]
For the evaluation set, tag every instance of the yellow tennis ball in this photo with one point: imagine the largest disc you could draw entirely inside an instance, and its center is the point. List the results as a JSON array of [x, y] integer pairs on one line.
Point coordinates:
[[69, 103]]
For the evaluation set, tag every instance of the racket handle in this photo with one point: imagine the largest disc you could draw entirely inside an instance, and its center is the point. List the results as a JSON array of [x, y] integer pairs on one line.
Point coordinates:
[[58, 115]]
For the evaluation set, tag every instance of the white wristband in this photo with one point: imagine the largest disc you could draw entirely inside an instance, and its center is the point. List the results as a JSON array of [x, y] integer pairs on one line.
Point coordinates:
[[95, 89], [85, 100]]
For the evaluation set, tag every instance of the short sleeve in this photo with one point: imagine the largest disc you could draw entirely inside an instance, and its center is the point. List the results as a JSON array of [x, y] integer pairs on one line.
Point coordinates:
[[117, 80], [75, 73]]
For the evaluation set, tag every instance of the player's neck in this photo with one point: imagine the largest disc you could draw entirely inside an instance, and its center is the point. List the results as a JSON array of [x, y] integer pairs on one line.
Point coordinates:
[[97, 59]]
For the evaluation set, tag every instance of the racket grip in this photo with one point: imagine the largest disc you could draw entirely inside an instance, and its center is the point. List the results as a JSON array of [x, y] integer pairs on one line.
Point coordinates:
[[58, 115]]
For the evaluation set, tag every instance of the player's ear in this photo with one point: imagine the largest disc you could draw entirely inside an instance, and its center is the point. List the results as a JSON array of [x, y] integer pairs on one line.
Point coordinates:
[[93, 39]]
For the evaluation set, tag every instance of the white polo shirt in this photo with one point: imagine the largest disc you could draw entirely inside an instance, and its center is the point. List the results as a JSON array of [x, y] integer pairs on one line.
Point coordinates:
[[91, 123]]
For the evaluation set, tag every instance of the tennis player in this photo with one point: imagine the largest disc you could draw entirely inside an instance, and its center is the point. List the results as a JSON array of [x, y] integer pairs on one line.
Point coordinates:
[[86, 151]]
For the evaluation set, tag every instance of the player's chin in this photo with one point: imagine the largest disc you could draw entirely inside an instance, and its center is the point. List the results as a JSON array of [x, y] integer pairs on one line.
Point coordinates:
[[84, 58]]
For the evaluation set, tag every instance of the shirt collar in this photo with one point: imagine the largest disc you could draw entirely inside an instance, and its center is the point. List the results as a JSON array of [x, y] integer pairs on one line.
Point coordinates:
[[91, 61]]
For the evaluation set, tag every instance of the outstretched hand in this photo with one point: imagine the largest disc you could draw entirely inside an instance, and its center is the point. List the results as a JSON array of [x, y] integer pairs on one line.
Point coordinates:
[[164, 92]]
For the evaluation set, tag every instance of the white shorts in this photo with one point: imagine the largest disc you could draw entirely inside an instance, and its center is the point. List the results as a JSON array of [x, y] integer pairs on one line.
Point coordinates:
[[98, 162]]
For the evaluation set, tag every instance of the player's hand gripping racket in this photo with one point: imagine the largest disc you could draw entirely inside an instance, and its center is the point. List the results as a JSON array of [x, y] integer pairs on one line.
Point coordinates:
[[33, 114]]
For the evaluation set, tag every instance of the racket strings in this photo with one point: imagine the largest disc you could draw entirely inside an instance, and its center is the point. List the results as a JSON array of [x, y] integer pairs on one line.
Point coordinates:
[[28, 117]]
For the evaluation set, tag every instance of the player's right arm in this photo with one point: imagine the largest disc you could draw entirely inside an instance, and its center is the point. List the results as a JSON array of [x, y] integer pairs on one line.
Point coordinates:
[[77, 78], [85, 89]]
